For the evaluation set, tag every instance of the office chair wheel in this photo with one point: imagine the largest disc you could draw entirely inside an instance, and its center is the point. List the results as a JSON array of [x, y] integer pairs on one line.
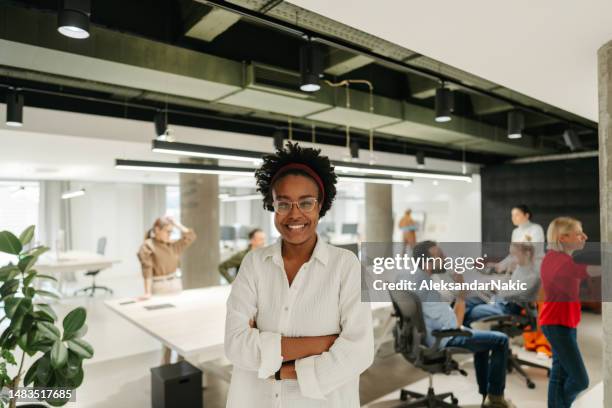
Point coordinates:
[[403, 395], [530, 384], [455, 401]]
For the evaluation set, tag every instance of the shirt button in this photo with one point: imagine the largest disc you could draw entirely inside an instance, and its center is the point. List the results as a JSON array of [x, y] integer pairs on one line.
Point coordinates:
[[286, 308], [276, 395]]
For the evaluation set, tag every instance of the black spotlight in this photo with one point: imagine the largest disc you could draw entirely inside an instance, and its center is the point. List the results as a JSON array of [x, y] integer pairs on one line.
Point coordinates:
[[311, 67], [516, 124], [73, 18], [14, 109], [278, 139], [420, 158], [354, 146], [444, 104], [161, 123], [572, 140]]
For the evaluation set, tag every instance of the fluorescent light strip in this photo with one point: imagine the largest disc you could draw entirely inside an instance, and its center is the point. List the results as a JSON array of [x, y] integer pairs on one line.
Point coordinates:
[[388, 171], [72, 194], [189, 149], [180, 168], [193, 150], [375, 180]]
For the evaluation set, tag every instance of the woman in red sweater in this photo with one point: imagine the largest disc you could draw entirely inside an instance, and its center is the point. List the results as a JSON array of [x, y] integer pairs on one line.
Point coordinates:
[[560, 313]]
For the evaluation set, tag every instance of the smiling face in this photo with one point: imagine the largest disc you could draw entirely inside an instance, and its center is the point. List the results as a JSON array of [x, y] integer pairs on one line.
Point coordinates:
[[163, 233], [296, 226]]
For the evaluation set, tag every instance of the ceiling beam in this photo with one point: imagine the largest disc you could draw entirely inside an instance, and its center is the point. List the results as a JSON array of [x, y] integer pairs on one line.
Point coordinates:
[[340, 62], [483, 105], [213, 24]]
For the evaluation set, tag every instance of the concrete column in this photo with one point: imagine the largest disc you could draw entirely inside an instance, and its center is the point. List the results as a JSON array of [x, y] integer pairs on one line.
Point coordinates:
[[605, 194], [379, 212], [200, 211]]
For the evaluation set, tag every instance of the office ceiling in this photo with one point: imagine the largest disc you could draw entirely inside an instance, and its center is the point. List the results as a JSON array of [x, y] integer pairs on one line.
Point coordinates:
[[214, 68], [545, 49]]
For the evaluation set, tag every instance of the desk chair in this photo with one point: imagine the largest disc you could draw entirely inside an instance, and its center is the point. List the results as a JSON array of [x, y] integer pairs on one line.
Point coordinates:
[[409, 334], [515, 325], [93, 287]]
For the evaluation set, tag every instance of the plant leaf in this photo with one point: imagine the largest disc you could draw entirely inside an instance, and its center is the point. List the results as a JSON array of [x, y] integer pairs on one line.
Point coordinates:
[[27, 235], [9, 287], [10, 306], [26, 263], [46, 293], [59, 354], [8, 272], [8, 357], [48, 310], [48, 330], [29, 376], [81, 348], [28, 279], [74, 320], [37, 251], [43, 371], [77, 334], [9, 243]]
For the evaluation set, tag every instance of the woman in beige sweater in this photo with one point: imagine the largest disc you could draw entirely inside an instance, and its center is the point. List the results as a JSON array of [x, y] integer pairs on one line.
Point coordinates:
[[160, 257]]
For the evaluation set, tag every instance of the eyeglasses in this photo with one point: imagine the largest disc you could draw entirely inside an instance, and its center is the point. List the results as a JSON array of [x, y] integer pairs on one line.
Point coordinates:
[[305, 205]]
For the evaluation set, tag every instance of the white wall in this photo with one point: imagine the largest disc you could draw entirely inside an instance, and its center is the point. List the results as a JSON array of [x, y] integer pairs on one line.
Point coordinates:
[[452, 209], [113, 210]]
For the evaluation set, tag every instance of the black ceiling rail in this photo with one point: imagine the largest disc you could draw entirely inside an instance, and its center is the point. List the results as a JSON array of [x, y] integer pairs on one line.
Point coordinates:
[[336, 42]]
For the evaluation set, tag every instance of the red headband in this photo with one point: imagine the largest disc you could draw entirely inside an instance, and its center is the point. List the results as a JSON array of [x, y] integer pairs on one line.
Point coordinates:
[[304, 168]]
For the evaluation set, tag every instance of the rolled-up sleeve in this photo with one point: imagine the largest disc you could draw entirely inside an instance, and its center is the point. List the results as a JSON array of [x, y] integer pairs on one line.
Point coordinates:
[[246, 347], [145, 256], [352, 352]]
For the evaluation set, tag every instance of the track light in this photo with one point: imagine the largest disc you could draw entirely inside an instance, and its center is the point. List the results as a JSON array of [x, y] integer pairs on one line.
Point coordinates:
[[209, 152], [161, 125], [278, 139], [311, 67], [444, 104], [420, 158], [73, 19], [354, 148], [181, 168], [14, 109], [516, 123]]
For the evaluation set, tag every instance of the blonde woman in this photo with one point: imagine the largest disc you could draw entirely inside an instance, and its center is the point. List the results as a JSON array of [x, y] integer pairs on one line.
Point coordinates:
[[560, 314], [160, 257]]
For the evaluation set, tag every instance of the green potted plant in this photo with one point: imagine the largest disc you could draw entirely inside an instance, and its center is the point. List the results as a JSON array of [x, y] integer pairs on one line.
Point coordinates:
[[33, 328]]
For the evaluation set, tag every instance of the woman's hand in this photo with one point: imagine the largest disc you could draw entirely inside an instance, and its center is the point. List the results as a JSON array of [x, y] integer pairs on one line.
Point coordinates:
[[253, 324], [144, 297]]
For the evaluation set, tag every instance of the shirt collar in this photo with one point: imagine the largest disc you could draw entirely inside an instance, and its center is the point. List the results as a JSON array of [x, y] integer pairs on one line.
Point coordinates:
[[320, 252]]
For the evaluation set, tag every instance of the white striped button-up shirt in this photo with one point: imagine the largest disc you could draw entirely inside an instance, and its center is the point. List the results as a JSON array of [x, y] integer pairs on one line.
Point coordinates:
[[324, 298]]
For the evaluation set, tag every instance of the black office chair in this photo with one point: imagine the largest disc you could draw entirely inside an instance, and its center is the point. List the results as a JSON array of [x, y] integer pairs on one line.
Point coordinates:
[[94, 287], [515, 325], [409, 334]]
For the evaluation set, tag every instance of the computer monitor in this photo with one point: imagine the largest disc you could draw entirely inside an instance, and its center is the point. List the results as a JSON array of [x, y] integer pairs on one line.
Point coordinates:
[[227, 233], [349, 229]]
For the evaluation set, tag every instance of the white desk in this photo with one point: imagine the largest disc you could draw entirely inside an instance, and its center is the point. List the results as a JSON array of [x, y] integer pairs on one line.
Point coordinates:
[[70, 262], [73, 261], [194, 326]]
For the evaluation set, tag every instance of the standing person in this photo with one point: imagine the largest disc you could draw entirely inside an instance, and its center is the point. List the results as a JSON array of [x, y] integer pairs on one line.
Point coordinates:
[[525, 232], [408, 226], [296, 330], [560, 314], [160, 258], [257, 239]]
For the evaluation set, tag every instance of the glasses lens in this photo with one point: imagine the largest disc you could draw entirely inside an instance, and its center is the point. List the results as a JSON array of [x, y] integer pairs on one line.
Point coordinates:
[[307, 204], [282, 207]]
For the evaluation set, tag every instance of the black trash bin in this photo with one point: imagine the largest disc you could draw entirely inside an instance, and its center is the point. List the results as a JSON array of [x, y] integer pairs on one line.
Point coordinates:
[[176, 385]]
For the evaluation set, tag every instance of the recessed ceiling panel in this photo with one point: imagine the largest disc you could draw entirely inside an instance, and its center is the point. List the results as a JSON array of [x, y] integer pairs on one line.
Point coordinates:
[[418, 131], [353, 118], [250, 98]]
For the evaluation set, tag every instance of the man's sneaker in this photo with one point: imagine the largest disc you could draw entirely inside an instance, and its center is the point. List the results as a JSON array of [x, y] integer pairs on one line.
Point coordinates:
[[497, 401]]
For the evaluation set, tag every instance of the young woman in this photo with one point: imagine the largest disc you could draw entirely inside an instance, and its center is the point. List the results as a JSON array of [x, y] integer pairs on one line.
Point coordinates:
[[296, 330], [560, 314], [525, 231], [160, 257]]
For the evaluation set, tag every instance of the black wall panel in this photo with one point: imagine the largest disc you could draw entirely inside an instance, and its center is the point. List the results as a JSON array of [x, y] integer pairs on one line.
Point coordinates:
[[550, 189]]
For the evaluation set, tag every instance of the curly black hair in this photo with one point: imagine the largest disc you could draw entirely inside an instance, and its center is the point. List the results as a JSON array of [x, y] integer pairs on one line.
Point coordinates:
[[293, 153]]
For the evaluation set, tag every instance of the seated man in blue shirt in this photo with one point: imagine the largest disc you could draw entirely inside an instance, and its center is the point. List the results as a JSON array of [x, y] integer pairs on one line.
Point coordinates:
[[490, 348]]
